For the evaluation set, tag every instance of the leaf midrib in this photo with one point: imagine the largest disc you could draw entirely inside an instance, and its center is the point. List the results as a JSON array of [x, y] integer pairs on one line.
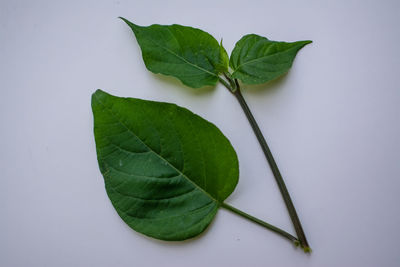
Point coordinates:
[[260, 58], [180, 57], [177, 170]]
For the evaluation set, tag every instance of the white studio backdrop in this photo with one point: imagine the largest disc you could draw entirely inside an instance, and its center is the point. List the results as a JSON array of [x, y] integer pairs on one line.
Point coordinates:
[[332, 124]]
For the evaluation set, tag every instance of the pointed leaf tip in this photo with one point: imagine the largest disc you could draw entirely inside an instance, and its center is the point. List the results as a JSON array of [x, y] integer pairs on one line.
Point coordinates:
[[130, 24], [99, 93]]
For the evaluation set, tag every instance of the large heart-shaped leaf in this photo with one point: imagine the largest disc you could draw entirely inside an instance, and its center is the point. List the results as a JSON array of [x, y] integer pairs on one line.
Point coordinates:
[[166, 170], [256, 59], [189, 54]]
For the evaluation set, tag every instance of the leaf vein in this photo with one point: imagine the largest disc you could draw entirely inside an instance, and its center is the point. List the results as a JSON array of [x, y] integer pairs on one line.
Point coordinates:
[[113, 114]]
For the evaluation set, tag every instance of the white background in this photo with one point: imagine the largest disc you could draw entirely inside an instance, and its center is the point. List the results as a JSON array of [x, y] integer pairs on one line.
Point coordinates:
[[332, 124]]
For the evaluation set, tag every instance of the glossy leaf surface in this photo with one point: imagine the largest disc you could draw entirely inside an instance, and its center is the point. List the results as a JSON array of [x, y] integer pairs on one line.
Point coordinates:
[[189, 54], [166, 170], [257, 60]]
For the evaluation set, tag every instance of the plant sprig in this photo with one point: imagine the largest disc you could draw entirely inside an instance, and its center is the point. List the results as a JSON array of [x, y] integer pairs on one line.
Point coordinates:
[[197, 59]]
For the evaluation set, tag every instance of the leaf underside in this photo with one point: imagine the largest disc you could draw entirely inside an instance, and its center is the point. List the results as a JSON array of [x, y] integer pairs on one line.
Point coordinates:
[[257, 60], [166, 170], [189, 54]]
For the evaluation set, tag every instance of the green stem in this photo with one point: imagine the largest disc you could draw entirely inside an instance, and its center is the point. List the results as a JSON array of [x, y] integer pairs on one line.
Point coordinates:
[[225, 84], [262, 223], [274, 167], [231, 82]]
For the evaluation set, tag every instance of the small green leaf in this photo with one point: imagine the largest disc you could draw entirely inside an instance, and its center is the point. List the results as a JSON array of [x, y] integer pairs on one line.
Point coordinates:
[[223, 63], [256, 59], [166, 170], [189, 54]]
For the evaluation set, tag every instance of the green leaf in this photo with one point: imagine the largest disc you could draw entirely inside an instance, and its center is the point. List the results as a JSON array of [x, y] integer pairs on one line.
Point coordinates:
[[189, 54], [166, 170], [223, 63], [256, 59]]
